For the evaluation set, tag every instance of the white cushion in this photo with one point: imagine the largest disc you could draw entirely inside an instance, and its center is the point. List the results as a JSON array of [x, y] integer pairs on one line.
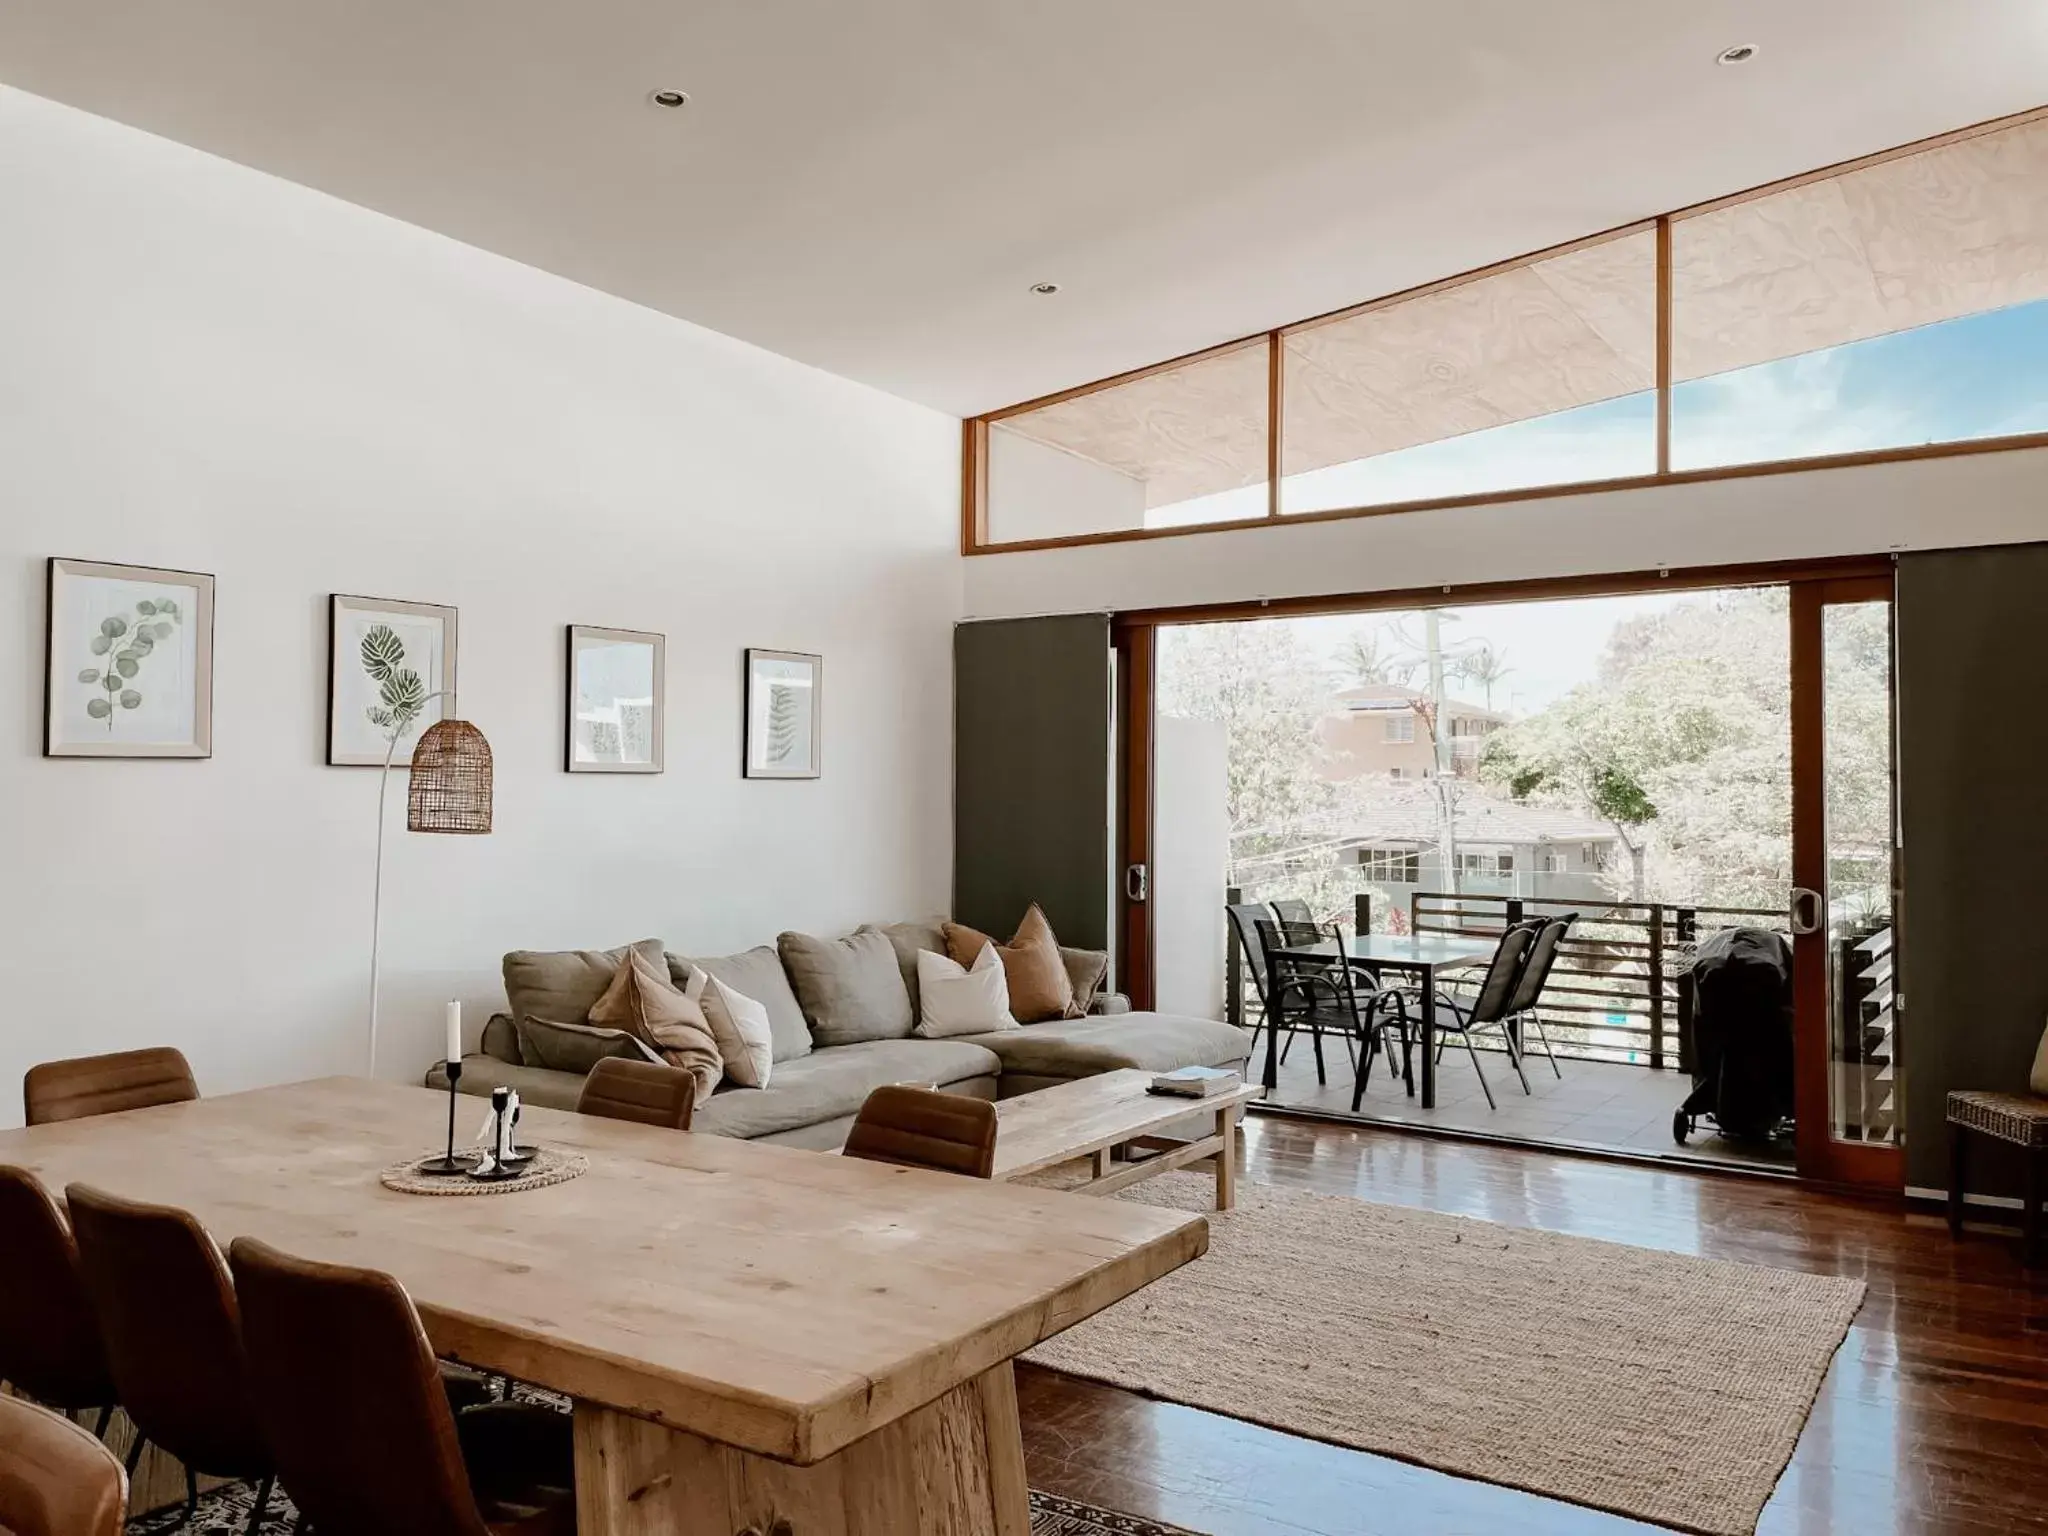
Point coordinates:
[[740, 1026], [2038, 1078], [962, 1000]]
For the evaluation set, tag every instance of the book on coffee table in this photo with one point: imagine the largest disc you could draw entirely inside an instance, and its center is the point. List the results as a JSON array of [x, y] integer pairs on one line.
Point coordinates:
[[1196, 1082]]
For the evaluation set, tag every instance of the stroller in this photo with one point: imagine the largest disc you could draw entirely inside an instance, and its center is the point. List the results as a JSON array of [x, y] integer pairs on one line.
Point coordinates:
[[1741, 1036]]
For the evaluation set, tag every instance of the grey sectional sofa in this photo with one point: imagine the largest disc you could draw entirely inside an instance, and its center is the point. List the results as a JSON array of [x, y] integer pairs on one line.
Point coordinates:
[[815, 1088]]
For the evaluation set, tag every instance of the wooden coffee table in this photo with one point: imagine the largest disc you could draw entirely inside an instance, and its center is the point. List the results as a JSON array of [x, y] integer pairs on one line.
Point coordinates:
[[1094, 1116]]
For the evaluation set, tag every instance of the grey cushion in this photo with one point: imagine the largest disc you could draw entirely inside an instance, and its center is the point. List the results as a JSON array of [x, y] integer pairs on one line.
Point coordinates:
[[501, 1040], [562, 1047], [1087, 969], [907, 939], [757, 973], [562, 984], [1154, 1042], [851, 989], [828, 1084]]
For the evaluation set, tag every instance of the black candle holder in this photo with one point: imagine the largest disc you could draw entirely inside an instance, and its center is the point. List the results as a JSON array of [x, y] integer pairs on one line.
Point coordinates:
[[449, 1165]]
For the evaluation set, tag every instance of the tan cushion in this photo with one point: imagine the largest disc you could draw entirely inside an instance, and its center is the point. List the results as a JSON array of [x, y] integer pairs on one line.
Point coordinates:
[[559, 1046], [1153, 1042], [642, 1002], [562, 984], [1040, 987], [851, 989], [2038, 1078], [757, 973]]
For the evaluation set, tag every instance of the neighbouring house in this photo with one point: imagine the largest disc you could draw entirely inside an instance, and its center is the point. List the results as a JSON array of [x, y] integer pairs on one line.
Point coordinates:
[[1502, 847], [1381, 730]]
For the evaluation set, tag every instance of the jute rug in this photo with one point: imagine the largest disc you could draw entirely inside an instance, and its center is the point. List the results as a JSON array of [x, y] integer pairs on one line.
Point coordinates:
[[225, 1512], [1662, 1387]]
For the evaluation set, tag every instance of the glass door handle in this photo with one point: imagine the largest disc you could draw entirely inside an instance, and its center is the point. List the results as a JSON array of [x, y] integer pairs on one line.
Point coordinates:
[[1808, 910]]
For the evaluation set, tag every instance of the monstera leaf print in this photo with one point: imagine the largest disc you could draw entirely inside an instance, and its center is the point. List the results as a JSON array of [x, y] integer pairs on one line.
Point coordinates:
[[400, 693]]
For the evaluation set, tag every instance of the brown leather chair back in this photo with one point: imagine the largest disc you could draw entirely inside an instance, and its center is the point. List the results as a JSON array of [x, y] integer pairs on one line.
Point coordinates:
[[105, 1085], [920, 1128], [641, 1091], [56, 1479], [350, 1395], [49, 1335], [167, 1311]]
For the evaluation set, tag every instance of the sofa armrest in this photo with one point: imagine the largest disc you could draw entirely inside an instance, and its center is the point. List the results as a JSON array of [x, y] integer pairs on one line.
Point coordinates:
[[1110, 1002], [500, 1040]]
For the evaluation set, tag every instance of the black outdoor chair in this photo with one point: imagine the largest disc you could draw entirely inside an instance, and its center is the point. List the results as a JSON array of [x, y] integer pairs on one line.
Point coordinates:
[[1487, 1008], [1245, 916], [1292, 909], [1322, 995], [1529, 986]]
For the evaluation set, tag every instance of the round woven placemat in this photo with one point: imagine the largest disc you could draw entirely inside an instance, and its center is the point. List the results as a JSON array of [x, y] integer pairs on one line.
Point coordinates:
[[548, 1167]]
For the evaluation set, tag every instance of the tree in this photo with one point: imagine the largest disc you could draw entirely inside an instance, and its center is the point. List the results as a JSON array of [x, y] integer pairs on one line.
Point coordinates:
[[1366, 661], [1483, 665]]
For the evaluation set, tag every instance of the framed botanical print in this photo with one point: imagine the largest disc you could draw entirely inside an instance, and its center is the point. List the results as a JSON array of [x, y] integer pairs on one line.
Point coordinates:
[[785, 699], [617, 682], [390, 673], [128, 654]]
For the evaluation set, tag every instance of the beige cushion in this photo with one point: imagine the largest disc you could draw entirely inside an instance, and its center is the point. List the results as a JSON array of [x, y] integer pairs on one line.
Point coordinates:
[[851, 989], [827, 1085], [559, 1046], [962, 1000], [562, 984], [642, 1002], [2038, 1078], [909, 940], [757, 973], [739, 1025], [1040, 987]]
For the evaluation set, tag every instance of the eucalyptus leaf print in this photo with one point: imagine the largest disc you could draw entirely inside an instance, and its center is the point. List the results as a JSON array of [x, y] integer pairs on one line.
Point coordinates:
[[127, 645]]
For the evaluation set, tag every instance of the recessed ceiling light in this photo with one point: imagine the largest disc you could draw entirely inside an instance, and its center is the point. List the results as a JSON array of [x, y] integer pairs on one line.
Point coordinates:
[[1741, 53], [1045, 289], [669, 98]]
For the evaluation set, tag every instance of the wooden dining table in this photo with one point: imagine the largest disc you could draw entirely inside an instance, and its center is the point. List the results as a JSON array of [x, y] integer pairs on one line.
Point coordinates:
[[751, 1334], [1420, 957]]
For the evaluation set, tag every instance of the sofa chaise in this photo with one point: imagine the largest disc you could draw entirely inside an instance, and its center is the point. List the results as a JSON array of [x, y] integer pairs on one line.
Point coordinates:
[[837, 1038]]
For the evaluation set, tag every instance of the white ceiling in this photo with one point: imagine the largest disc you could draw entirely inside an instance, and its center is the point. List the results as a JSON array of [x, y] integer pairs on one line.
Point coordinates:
[[872, 185]]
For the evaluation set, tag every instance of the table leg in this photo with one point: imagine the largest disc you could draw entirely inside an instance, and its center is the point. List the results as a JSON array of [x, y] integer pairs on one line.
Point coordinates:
[[1226, 1158], [1105, 1157], [1272, 1010], [1428, 1030], [954, 1467]]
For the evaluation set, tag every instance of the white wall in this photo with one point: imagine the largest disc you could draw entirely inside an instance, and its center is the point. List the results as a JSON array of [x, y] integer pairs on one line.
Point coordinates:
[[1989, 498], [204, 367]]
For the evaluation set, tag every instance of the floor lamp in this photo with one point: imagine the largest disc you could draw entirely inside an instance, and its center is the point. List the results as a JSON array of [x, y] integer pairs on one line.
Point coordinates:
[[448, 789]]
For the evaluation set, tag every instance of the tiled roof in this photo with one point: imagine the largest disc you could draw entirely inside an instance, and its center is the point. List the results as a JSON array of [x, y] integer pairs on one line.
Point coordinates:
[[1407, 813]]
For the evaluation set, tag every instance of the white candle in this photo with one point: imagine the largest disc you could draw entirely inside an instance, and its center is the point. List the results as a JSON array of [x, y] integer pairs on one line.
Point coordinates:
[[454, 1030]]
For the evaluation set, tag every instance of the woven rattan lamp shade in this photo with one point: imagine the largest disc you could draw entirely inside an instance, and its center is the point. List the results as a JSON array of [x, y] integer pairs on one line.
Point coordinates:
[[450, 788]]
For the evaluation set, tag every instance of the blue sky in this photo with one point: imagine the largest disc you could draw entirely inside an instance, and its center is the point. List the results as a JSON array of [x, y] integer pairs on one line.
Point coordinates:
[[1983, 375]]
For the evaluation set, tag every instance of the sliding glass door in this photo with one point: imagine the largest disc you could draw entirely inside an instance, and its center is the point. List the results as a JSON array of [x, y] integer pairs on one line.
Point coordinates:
[[1845, 857]]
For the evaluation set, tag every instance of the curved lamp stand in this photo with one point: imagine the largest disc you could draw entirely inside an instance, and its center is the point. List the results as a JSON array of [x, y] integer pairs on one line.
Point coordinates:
[[377, 897]]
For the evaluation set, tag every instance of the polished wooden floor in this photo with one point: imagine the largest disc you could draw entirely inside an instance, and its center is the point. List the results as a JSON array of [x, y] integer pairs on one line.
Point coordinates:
[[1934, 1417], [1595, 1106]]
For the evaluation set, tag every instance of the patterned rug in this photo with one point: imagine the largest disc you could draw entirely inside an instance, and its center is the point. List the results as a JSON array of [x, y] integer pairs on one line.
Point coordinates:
[[225, 1512]]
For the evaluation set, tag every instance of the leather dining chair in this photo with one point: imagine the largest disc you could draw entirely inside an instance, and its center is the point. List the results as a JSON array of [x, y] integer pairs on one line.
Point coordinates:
[[377, 1449], [50, 1344], [644, 1092], [105, 1085], [922, 1128], [56, 1479], [173, 1333]]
